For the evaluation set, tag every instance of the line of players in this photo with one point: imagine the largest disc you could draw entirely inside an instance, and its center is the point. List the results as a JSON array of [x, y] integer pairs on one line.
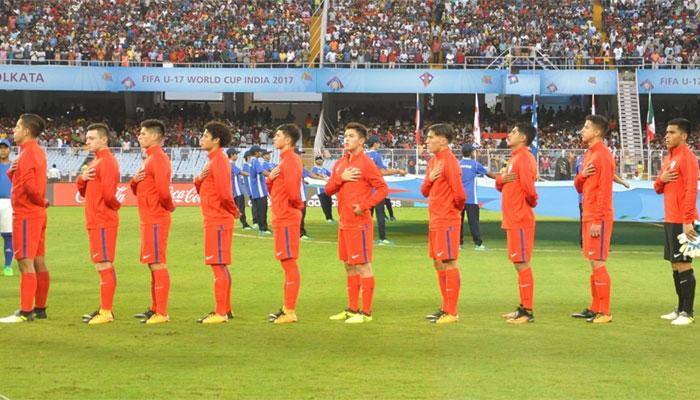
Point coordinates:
[[358, 185]]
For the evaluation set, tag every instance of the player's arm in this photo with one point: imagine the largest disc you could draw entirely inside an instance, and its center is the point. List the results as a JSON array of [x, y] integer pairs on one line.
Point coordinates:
[[690, 185], [454, 180], [376, 180], [427, 183], [161, 177], [527, 175], [292, 184], [82, 185], [335, 181], [28, 182], [109, 181], [604, 175], [618, 179], [222, 181], [659, 182]]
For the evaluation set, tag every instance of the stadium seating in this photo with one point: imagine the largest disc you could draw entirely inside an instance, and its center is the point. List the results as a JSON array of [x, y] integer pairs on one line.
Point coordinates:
[[359, 32]]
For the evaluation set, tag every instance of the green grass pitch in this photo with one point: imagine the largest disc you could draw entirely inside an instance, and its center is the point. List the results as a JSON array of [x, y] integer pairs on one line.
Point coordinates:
[[398, 355]]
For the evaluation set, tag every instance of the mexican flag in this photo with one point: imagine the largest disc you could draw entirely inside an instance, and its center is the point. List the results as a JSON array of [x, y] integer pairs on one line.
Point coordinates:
[[651, 122]]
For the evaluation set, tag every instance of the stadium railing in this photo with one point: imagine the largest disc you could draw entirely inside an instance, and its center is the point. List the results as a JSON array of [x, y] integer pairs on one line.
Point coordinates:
[[188, 161], [471, 62]]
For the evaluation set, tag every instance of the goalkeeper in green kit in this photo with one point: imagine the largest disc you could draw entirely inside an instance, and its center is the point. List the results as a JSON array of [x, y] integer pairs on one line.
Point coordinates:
[[678, 182]]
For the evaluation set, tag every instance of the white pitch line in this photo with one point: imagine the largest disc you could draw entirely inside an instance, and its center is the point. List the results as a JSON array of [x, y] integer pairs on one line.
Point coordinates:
[[537, 250]]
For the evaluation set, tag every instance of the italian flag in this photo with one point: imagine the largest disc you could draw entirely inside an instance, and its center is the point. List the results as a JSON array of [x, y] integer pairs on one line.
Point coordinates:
[[651, 122]]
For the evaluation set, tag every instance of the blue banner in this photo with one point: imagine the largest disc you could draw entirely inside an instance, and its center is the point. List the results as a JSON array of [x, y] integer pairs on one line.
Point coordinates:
[[669, 81], [123, 79], [576, 82], [339, 80]]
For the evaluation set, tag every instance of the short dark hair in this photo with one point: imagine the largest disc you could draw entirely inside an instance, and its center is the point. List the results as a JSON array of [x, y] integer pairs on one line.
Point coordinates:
[[357, 127], [528, 130], [154, 124], [292, 131], [34, 123], [102, 129], [219, 130], [682, 124], [444, 130], [600, 122]]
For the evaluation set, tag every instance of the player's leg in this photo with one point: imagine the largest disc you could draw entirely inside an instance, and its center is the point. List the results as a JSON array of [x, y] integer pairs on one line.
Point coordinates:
[[302, 230], [381, 223], [671, 246], [240, 203], [452, 283], [102, 251], [287, 252], [461, 226], [473, 217], [345, 252], [254, 212], [262, 214], [367, 289], [217, 255], [589, 245], [326, 206], [441, 276], [686, 282], [389, 209], [597, 252], [6, 231], [161, 276], [25, 249], [520, 246]]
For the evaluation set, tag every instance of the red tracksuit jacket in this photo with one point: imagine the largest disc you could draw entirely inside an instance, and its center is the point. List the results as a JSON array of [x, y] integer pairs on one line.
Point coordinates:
[[101, 204], [681, 196], [446, 197]]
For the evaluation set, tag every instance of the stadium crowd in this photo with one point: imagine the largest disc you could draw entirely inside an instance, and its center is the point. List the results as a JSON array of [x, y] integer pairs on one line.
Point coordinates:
[[359, 32]]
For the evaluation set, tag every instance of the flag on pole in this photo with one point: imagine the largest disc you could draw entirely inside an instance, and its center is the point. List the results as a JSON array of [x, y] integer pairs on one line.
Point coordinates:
[[534, 147], [477, 127], [592, 104], [417, 132], [320, 138], [651, 122]]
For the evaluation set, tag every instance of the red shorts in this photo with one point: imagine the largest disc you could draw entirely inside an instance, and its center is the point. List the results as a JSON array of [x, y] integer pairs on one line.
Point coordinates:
[[521, 241], [355, 245], [154, 243], [444, 243], [29, 237], [217, 245], [597, 248], [103, 243], [287, 242]]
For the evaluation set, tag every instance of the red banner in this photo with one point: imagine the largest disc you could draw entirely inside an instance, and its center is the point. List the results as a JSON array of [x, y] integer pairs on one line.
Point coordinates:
[[494, 135], [66, 194]]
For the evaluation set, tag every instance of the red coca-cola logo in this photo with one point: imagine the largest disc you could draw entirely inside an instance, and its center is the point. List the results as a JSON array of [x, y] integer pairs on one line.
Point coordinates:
[[184, 196]]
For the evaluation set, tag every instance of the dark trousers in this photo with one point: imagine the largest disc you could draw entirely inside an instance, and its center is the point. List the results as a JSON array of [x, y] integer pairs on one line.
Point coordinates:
[[326, 205], [261, 211], [472, 212], [254, 210], [389, 208], [240, 203], [302, 230], [381, 220]]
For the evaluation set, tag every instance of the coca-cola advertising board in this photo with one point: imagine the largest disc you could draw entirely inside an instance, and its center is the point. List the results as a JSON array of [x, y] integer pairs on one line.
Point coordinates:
[[66, 194]]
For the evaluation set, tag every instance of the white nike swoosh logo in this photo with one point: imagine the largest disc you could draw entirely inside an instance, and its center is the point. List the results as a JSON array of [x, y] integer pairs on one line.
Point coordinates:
[[591, 252], [209, 257], [146, 256], [677, 255], [514, 254], [440, 253], [279, 253], [96, 254], [355, 256]]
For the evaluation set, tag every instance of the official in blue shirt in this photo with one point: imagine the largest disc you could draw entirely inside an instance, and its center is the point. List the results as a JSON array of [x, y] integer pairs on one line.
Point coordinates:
[[6, 205], [471, 169], [373, 144], [326, 200], [238, 183], [258, 189], [246, 179]]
